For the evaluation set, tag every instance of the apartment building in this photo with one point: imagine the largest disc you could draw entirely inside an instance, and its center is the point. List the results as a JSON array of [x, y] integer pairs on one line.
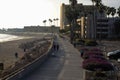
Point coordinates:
[[93, 25]]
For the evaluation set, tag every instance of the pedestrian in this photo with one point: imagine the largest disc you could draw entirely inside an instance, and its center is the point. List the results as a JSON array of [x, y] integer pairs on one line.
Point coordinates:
[[16, 55], [82, 53], [57, 47], [54, 47], [24, 49]]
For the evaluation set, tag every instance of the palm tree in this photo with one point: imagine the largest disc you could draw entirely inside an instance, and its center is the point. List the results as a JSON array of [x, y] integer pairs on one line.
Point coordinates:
[[50, 20], [93, 1], [113, 11], [54, 20], [57, 21], [73, 19], [118, 11], [96, 2], [101, 8], [73, 3], [108, 11], [44, 21]]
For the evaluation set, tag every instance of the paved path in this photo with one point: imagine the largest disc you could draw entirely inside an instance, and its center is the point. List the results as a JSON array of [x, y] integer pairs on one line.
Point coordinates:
[[66, 65]]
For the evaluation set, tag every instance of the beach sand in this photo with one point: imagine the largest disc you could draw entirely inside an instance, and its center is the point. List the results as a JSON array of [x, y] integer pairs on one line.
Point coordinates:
[[8, 49]]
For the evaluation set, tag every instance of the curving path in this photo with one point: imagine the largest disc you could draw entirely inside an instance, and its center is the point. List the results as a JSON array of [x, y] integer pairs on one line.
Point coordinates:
[[65, 65]]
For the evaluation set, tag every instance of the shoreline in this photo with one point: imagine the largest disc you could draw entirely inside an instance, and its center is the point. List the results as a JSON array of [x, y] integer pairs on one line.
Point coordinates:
[[8, 49]]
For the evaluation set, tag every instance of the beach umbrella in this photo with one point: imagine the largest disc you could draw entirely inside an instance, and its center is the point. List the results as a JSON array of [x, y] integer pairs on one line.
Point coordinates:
[[97, 63]]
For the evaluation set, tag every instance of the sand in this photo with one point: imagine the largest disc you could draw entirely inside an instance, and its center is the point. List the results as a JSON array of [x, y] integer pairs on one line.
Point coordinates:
[[8, 49]]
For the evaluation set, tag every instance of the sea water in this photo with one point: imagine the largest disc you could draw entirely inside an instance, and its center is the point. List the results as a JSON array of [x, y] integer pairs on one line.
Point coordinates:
[[8, 37]]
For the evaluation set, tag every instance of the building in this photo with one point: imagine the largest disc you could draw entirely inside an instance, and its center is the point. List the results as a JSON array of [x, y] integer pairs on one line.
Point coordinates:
[[84, 10], [47, 29], [88, 13], [93, 25], [105, 28], [86, 25]]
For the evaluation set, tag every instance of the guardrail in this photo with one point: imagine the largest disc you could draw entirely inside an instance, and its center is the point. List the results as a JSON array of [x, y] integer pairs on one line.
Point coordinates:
[[22, 72]]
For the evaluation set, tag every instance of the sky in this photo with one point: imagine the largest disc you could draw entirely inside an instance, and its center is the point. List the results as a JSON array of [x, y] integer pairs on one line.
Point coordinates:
[[20, 13]]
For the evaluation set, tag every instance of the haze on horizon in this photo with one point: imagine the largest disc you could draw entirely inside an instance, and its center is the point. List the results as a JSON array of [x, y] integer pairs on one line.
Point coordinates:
[[20, 13]]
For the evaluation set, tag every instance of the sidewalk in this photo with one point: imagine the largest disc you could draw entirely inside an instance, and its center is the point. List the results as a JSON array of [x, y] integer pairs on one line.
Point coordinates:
[[72, 69], [66, 65]]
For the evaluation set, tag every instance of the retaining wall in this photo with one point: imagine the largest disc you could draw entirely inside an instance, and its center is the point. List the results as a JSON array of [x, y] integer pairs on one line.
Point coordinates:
[[21, 73]]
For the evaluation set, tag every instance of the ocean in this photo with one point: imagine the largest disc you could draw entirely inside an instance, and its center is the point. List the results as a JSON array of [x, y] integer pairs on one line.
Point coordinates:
[[8, 37]]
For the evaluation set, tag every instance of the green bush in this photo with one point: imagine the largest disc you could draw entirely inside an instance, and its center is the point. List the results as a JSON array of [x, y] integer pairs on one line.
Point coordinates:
[[91, 43], [80, 42]]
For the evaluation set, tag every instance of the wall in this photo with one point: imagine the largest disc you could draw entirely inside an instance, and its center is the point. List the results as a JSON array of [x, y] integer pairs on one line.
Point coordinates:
[[29, 67]]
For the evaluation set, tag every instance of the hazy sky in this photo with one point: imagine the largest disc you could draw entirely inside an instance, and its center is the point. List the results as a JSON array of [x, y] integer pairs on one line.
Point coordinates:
[[20, 13]]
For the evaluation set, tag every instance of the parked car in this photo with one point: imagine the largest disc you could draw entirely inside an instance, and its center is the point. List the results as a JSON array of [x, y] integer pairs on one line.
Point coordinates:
[[114, 54]]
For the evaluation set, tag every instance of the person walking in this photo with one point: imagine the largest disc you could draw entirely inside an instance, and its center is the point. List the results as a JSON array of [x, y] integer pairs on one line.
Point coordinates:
[[16, 55], [57, 47]]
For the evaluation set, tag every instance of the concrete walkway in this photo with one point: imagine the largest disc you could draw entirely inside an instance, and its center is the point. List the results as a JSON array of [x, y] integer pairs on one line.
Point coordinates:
[[66, 65]]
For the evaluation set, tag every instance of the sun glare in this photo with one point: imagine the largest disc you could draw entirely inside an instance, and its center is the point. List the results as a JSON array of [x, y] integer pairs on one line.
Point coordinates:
[[25, 12]]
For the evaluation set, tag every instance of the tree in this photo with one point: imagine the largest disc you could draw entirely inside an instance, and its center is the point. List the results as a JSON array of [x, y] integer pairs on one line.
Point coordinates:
[[96, 2], [73, 3], [72, 15], [101, 8], [113, 11], [44, 22], [57, 21], [108, 11], [50, 20], [54, 20], [118, 11]]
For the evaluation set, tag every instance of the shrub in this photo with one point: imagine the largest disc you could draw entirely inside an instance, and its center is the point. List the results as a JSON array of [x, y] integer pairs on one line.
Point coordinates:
[[80, 42], [88, 54], [91, 43], [97, 63]]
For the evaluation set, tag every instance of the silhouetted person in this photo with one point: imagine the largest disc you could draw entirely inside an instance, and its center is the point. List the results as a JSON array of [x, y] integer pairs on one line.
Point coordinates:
[[24, 49], [82, 52], [57, 47], [16, 55]]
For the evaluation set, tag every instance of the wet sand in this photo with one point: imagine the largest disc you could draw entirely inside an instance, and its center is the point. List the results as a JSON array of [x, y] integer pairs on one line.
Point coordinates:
[[8, 49]]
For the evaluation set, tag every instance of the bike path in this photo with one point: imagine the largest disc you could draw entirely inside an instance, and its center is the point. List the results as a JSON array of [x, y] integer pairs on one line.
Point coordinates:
[[65, 65]]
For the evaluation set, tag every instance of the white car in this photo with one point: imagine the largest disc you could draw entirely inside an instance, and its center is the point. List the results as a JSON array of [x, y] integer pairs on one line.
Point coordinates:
[[115, 55], [113, 52]]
